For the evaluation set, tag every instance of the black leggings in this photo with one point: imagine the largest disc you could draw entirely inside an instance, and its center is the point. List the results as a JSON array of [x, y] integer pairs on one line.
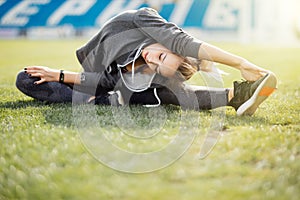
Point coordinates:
[[195, 97]]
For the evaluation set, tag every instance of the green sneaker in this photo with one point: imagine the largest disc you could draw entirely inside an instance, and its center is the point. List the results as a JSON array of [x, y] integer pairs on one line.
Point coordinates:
[[249, 95]]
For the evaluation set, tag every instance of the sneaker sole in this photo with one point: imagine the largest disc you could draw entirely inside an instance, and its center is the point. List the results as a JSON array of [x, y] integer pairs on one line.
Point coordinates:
[[263, 91]]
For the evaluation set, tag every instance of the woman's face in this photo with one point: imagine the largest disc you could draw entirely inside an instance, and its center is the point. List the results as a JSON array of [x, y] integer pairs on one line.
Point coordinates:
[[161, 60]]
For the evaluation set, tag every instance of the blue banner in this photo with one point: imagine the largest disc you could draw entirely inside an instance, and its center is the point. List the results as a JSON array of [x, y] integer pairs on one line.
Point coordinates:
[[203, 14]]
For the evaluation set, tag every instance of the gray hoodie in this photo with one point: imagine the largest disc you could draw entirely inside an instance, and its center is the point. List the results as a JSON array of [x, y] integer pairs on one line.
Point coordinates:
[[120, 42]]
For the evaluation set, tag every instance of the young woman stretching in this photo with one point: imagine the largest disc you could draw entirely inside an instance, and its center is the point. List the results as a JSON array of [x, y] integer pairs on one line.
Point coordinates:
[[139, 58]]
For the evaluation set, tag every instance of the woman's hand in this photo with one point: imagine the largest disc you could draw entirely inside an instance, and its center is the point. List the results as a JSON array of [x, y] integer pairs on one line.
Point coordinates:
[[251, 72], [248, 70], [44, 73]]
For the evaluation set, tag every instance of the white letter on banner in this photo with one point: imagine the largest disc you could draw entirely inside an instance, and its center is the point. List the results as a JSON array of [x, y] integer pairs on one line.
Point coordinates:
[[2, 2], [220, 14], [19, 15], [70, 8], [115, 7], [181, 11]]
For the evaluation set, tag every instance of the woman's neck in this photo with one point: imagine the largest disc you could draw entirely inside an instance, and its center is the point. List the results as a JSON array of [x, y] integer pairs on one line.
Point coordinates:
[[137, 63]]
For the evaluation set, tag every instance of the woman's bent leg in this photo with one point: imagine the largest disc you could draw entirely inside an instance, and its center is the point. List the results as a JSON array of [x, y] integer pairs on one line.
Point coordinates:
[[50, 91]]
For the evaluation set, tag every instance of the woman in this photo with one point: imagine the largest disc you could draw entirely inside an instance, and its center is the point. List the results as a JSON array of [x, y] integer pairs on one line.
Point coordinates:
[[146, 60]]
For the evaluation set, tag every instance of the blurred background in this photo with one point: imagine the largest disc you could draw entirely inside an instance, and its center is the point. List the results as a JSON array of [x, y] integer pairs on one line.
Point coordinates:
[[246, 21]]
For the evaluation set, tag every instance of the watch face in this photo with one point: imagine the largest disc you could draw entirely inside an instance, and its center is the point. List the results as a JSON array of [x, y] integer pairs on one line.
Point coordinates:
[[82, 77]]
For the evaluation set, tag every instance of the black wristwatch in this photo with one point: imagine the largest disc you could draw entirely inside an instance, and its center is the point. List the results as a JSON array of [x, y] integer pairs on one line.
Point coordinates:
[[61, 76], [82, 77]]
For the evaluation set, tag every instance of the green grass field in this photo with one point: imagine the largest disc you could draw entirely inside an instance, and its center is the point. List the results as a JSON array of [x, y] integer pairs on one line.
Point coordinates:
[[42, 157]]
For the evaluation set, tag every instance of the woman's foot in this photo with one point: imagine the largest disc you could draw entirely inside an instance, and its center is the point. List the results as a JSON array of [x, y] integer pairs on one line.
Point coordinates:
[[249, 95]]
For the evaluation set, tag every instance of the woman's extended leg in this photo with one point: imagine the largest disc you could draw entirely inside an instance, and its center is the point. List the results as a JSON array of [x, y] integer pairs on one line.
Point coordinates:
[[245, 96], [198, 98]]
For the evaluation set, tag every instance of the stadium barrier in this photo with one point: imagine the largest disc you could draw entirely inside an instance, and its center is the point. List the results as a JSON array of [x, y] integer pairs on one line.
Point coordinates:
[[218, 20]]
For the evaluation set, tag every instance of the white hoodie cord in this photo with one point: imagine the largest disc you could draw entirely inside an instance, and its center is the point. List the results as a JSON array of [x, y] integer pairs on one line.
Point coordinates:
[[131, 88], [158, 99], [132, 69], [138, 53]]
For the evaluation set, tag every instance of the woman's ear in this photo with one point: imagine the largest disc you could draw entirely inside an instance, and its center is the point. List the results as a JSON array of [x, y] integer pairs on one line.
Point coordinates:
[[195, 62]]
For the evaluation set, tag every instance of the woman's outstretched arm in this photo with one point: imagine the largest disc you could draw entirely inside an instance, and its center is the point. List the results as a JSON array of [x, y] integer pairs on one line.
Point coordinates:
[[249, 71], [47, 74]]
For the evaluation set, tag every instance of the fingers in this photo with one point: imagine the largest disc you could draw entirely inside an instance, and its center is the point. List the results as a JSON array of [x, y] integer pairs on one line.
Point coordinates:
[[263, 70], [35, 68], [35, 74], [36, 71], [31, 70], [253, 73], [40, 81], [251, 76], [44, 73], [38, 75], [91, 99]]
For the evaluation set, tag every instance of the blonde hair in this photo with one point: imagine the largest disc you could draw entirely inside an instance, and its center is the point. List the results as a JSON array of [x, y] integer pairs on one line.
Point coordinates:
[[188, 68]]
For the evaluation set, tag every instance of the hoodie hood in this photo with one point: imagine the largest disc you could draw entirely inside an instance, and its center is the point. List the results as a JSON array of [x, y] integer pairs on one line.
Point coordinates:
[[136, 80]]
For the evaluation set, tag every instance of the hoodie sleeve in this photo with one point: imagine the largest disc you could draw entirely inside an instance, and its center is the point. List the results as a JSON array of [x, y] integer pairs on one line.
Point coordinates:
[[166, 33]]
